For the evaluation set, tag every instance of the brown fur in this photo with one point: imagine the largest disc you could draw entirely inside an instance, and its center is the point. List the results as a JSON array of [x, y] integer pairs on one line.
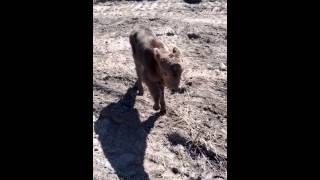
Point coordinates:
[[156, 66]]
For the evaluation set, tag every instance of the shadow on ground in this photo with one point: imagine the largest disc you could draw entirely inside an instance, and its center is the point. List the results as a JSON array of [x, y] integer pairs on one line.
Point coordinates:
[[197, 149], [192, 1], [123, 136]]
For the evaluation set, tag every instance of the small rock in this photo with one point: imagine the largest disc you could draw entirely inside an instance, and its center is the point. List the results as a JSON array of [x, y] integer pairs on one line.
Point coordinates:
[[158, 175], [192, 1], [170, 34], [153, 19], [189, 83], [223, 67], [208, 40], [193, 36], [95, 149], [107, 165], [178, 137], [175, 170]]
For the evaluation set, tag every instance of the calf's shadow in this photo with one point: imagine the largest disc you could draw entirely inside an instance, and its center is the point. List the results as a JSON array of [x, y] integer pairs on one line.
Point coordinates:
[[123, 136]]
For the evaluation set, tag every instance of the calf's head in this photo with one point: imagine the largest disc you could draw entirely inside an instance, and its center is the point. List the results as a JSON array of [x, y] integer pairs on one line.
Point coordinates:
[[170, 67]]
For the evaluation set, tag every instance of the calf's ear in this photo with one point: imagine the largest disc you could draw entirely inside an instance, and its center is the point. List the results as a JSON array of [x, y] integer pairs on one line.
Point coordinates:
[[156, 53], [176, 52]]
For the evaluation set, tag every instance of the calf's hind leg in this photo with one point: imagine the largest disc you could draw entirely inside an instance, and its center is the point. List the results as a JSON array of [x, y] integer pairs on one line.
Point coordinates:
[[139, 81]]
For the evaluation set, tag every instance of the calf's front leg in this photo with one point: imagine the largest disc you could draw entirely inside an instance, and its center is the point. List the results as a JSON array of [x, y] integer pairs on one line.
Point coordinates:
[[162, 101], [155, 93]]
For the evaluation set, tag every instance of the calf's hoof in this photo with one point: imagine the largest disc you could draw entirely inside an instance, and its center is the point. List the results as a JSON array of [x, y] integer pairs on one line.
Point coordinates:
[[163, 112], [156, 107]]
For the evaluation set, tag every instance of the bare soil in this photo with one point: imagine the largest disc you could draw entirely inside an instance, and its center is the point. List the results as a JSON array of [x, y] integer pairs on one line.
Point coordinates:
[[130, 139]]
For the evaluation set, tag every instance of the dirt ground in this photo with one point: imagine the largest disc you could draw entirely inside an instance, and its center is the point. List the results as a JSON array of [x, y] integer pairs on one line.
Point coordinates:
[[130, 139]]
